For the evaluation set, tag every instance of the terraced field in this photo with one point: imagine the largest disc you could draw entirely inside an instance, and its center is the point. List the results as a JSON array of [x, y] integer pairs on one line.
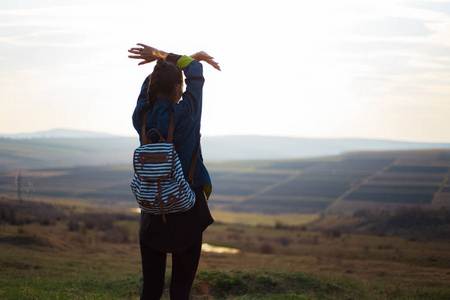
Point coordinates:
[[342, 184]]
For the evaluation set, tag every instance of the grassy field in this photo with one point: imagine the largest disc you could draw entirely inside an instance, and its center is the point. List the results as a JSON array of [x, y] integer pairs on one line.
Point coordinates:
[[85, 253], [326, 228]]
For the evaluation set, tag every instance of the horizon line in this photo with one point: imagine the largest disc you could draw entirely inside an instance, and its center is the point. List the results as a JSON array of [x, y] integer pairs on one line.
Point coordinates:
[[12, 136]]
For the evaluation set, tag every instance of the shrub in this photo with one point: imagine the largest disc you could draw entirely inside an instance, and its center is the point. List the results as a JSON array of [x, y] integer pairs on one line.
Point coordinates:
[[73, 225], [284, 241], [25, 212], [117, 235], [99, 221], [332, 233], [385, 247], [266, 248]]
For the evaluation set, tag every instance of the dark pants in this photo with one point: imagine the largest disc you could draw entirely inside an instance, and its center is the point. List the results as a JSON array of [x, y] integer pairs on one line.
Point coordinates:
[[184, 267]]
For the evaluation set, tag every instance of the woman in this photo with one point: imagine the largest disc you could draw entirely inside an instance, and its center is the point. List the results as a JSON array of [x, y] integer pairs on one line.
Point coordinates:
[[181, 234]]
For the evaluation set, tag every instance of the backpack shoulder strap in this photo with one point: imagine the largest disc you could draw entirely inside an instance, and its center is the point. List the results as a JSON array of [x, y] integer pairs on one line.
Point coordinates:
[[169, 134], [191, 173], [143, 133], [171, 128]]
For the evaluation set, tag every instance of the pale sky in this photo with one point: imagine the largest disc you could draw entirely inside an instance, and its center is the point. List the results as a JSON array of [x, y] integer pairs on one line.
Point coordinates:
[[349, 68]]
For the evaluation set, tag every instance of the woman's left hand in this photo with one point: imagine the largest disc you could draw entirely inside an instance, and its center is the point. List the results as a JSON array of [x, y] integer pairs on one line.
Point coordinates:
[[147, 53], [203, 56]]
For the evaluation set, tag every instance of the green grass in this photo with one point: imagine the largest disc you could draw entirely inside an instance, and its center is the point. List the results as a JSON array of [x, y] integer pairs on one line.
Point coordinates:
[[299, 285], [281, 257], [49, 262], [217, 285], [77, 288]]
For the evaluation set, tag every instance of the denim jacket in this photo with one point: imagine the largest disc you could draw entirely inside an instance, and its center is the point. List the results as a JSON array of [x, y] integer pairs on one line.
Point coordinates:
[[188, 114]]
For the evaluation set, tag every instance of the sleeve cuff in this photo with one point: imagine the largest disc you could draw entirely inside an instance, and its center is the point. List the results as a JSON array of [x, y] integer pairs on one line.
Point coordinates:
[[207, 188], [173, 58]]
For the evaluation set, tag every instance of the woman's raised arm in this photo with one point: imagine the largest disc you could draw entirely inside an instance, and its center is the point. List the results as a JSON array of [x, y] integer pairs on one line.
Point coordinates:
[[147, 53]]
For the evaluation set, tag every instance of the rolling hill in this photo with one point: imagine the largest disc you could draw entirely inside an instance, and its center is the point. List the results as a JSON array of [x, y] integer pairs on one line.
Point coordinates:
[[338, 185], [69, 148]]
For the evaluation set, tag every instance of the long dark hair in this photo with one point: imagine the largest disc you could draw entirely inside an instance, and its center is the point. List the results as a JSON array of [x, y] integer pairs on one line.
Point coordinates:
[[163, 80]]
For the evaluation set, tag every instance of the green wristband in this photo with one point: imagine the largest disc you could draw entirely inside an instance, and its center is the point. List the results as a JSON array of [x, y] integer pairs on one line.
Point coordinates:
[[184, 61]]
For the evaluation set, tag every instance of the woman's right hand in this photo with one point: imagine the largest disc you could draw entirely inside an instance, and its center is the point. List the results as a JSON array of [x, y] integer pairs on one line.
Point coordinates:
[[147, 53], [203, 56]]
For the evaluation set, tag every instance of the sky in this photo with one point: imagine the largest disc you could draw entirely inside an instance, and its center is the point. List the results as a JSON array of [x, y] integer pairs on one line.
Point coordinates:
[[376, 69]]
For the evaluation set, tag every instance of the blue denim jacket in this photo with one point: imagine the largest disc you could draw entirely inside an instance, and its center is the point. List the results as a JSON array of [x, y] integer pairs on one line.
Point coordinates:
[[188, 114]]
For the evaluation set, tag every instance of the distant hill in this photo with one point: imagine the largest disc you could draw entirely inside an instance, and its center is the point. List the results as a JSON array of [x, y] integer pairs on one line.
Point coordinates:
[[26, 154], [56, 133], [68, 148], [271, 147]]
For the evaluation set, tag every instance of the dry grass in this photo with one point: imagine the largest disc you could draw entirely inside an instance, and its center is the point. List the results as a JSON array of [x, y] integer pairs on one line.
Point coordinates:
[[265, 220], [32, 251]]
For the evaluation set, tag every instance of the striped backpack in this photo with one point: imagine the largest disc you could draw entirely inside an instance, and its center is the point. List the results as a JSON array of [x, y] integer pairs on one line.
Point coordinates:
[[158, 183]]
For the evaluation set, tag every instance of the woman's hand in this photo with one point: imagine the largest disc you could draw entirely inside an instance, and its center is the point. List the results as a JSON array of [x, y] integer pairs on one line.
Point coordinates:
[[147, 53], [202, 55]]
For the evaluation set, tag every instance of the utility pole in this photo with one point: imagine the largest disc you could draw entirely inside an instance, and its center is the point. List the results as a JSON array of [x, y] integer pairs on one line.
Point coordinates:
[[30, 190], [18, 183]]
